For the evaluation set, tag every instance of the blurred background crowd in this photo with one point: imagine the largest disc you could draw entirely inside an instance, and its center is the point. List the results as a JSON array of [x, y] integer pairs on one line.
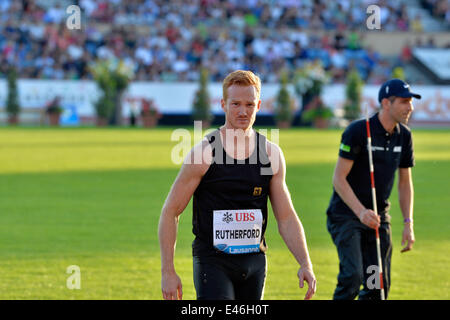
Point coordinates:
[[170, 40]]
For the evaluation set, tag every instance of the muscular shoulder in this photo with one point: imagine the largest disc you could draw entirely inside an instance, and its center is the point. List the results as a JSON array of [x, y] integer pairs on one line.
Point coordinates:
[[272, 149], [276, 157], [199, 158]]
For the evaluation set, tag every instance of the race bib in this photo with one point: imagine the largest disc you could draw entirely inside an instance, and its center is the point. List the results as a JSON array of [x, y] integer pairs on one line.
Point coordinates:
[[237, 231]]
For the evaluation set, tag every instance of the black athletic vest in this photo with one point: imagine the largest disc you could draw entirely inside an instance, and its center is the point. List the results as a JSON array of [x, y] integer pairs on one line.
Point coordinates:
[[231, 188]]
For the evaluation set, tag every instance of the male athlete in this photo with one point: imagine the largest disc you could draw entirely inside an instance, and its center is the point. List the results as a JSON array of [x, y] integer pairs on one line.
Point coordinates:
[[351, 219], [231, 174]]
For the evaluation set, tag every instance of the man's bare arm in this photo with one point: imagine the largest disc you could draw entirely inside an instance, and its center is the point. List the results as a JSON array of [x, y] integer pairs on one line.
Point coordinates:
[[406, 199], [178, 198], [289, 225], [344, 190]]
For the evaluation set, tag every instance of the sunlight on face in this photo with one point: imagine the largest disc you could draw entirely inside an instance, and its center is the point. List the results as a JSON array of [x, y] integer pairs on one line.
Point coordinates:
[[241, 106], [401, 109]]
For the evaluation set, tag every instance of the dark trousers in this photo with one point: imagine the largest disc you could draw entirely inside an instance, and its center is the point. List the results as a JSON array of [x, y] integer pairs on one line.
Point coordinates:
[[230, 277], [357, 251]]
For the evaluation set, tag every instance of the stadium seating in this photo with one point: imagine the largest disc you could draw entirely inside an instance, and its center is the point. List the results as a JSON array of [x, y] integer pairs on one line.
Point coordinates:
[[169, 40]]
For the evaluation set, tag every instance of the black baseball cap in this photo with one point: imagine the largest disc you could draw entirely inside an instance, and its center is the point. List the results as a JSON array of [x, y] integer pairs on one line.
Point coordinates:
[[397, 88]]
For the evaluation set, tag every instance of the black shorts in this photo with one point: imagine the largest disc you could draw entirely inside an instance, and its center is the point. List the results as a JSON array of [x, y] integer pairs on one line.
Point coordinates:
[[230, 277]]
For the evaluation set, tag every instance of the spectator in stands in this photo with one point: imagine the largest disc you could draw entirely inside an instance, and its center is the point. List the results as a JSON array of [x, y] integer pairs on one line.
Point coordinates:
[[406, 54], [170, 40], [416, 24]]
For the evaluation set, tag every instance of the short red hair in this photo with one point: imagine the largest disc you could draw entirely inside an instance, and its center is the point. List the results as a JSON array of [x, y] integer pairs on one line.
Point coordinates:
[[241, 78]]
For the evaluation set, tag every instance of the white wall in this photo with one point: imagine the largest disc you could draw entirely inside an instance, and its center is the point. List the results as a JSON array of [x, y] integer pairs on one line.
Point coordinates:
[[178, 97]]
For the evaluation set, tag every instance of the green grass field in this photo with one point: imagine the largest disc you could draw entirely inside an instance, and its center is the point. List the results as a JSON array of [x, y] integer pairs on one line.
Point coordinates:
[[92, 197]]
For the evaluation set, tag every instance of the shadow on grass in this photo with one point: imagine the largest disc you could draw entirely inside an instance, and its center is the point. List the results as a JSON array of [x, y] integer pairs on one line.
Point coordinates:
[[119, 210]]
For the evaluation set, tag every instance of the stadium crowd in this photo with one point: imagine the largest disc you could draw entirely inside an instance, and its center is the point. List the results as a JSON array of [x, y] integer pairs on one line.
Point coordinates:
[[170, 40]]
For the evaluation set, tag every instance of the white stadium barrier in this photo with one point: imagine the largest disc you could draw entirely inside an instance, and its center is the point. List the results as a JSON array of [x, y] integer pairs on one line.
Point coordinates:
[[177, 98]]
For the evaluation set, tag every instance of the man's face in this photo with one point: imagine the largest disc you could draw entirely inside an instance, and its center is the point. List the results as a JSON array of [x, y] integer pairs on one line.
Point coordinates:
[[241, 106], [400, 109]]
